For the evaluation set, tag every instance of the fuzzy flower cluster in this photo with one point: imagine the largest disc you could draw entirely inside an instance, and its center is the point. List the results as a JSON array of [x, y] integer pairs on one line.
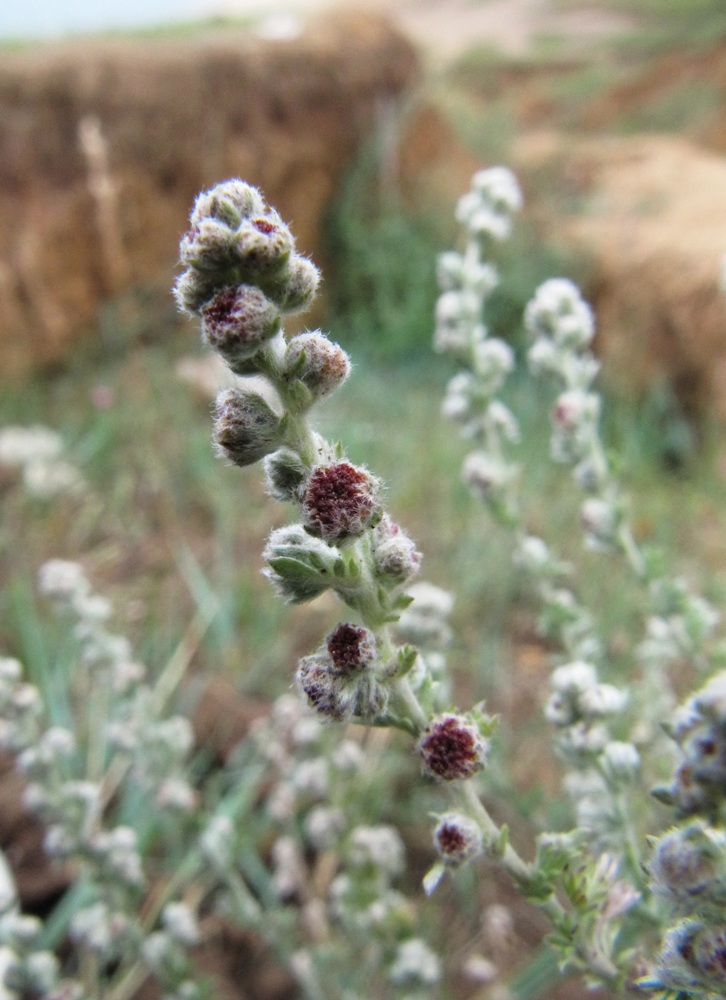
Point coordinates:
[[71, 777], [688, 862], [242, 275], [315, 801], [602, 734], [466, 280], [37, 453]]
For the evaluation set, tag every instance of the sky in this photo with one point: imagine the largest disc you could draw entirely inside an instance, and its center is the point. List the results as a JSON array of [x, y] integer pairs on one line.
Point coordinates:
[[50, 19]]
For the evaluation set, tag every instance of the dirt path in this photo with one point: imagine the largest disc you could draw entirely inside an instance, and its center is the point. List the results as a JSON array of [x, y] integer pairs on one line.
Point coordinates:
[[446, 28]]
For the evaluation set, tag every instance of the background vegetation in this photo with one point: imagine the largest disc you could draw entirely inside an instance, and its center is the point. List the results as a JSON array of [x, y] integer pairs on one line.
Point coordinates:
[[165, 529]]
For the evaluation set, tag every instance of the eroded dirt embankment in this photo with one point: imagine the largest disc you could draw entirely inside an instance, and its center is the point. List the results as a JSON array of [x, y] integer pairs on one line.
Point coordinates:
[[104, 146]]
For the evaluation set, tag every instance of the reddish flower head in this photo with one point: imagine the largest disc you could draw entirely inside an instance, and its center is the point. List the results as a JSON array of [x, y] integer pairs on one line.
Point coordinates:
[[340, 501], [238, 321], [452, 748], [351, 648], [323, 690], [457, 838]]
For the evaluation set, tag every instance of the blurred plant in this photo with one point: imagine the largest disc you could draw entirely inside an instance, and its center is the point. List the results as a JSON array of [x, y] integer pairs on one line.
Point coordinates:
[[610, 738], [159, 852], [37, 453]]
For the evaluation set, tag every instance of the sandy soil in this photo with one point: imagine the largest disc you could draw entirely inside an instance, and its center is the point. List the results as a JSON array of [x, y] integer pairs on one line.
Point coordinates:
[[445, 28]]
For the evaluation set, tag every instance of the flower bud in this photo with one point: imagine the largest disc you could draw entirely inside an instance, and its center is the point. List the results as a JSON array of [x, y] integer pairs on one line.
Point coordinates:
[[318, 363], [558, 310], [193, 289], [691, 960], [415, 964], [300, 565], [229, 202], [573, 408], [263, 245], [493, 361], [450, 270], [340, 501], [180, 922], [245, 427], [452, 748], [499, 187], [533, 555], [457, 838], [543, 357], [63, 580], [689, 864], [456, 313], [351, 648], [425, 620], [600, 521], [620, 761], [487, 477], [285, 473], [395, 556], [210, 247], [296, 288], [324, 688], [238, 321]]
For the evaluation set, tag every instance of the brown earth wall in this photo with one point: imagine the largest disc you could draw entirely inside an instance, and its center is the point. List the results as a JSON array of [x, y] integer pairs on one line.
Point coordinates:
[[105, 144]]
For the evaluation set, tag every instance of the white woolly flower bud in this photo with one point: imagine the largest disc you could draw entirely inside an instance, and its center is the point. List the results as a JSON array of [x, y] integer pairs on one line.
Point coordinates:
[[620, 761], [499, 187], [558, 310], [457, 320], [63, 580], [340, 500], [452, 748], [532, 555], [99, 929], [263, 246], [425, 620], [395, 556], [569, 682], [295, 288], [228, 202], [501, 419], [325, 689], [289, 875], [460, 397], [573, 408], [323, 825], [217, 842], [22, 445], [176, 794], [285, 473], [493, 361], [600, 522], [180, 922], [449, 270], [300, 565], [457, 839], [379, 847], [315, 361], [486, 476], [45, 480], [543, 357], [415, 964], [602, 700], [246, 428], [210, 246], [35, 974]]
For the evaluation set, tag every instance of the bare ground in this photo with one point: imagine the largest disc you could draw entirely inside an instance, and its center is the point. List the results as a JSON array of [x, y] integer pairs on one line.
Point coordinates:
[[446, 28]]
